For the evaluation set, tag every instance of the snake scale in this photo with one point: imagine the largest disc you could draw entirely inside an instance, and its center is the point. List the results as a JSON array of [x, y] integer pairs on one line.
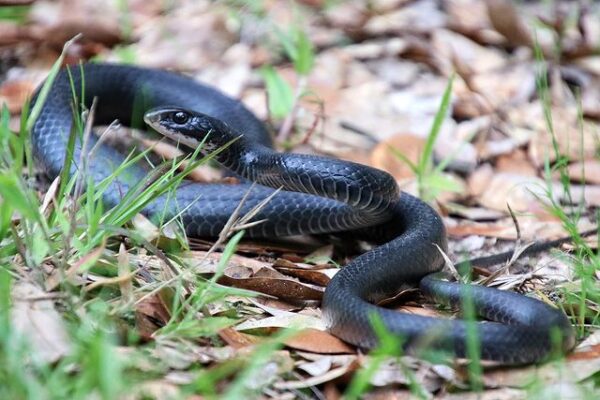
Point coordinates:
[[321, 195]]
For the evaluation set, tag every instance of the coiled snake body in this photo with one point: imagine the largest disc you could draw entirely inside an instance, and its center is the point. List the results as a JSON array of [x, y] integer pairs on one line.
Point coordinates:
[[320, 195]]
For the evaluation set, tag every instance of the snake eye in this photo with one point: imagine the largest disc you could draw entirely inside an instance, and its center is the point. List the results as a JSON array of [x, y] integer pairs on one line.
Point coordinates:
[[180, 117]]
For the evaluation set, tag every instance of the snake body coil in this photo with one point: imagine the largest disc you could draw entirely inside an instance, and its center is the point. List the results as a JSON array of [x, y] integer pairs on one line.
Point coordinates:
[[320, 195]]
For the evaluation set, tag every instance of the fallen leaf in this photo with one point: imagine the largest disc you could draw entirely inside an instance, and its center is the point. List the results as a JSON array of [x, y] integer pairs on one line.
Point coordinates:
[[237, 339], [473, 213], [204, 262], [522, 193], [34, 317], [574, 138], [417, 17], [586, 194], [587, 171], [515, 162], [385, 155], [571, 372], [318, 341], [505, 18], [504, 393], [317, 380], [511, 85], [452, 48], [318, 277], [151, 314], [14, 93], [279, 287], [470, 18], [290, 320]]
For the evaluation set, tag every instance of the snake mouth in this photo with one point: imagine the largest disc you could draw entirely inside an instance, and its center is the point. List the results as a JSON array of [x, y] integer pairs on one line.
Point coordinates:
[[152, 117], [163, 121]]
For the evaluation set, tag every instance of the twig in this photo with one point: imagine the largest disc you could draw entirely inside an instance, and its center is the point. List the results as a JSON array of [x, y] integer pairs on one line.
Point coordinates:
[[288, 122], [353, 128]]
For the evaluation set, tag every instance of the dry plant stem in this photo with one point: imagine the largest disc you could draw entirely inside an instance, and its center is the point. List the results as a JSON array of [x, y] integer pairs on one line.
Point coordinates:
[[449, 265], [102, 137], [121, 279], [353, 128], [49, 196], [233, 224], [236, 224], [244, 221], [126, 287], [20, 245], [288, 122], [320, 116]]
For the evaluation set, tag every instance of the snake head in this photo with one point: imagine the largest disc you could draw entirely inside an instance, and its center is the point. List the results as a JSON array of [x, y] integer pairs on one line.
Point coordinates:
[[188, 127]]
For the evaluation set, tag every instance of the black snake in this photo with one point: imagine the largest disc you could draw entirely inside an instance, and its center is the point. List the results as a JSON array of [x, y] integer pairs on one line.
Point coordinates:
[[320, 195]]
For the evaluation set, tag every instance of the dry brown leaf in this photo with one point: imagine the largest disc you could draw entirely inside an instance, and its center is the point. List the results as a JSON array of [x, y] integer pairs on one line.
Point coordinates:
[[573, 371], [505, 18], [377, 49], [384, 155], [590, 342], [483, 229], [14, 93], [151, 314], [590, 64], [470, 18], [107, 33], [589, 353], [232, 72], [521, 192], [587, 171], [278, 287], [515, 162], [318, 277], [532, 228], [393, 371], [11, 33], [417, 17], [470, 129], [473, 213], [590, 101], [511, 85], [347, 15], [588, 194], [469, 244], [237, 339], [204, 262], [454, 51], [34, 317], [269, 305], [576, 139], [317, 341]]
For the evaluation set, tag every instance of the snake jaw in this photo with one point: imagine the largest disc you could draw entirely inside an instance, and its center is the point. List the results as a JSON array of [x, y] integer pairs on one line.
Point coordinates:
[[172, 122]]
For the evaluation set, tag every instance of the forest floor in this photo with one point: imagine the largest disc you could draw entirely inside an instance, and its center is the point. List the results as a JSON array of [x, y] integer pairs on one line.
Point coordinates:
[[97, 309]]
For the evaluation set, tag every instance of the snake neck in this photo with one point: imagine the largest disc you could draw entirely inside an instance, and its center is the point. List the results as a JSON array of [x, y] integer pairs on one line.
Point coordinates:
[[372, 191]]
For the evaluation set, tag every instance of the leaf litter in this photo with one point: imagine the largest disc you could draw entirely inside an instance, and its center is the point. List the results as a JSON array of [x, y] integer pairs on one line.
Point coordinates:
[[400, 53]]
